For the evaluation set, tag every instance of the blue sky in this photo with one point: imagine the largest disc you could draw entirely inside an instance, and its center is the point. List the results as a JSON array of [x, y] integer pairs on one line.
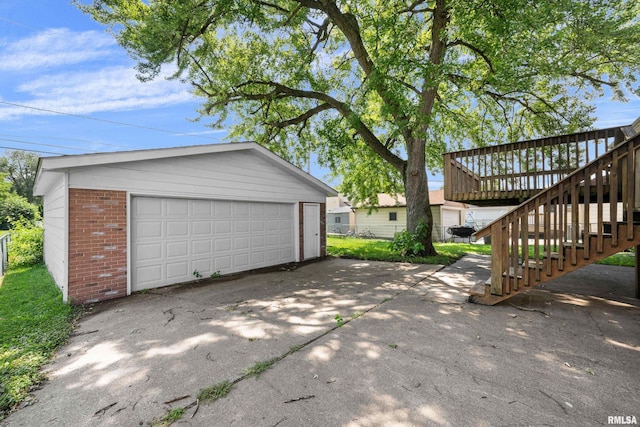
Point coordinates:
[[53, 57]]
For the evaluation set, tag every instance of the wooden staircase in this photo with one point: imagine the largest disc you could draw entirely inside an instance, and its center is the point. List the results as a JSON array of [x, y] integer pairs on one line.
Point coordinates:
[[588, 215]]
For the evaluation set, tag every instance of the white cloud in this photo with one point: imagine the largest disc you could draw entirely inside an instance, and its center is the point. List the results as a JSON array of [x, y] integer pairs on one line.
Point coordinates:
[[86, 92], [57, 70], [55, 47]]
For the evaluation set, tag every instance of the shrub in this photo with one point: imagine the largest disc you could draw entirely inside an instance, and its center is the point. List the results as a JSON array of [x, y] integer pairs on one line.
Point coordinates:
[[26, 244], [14, 208], [410, 244]]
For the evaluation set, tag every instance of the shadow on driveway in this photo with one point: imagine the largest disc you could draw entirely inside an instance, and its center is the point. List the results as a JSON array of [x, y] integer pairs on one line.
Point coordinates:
[[411, 351]]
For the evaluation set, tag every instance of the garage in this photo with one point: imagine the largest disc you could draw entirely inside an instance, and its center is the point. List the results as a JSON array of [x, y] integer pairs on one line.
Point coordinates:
[[175, 240], [122, 222]]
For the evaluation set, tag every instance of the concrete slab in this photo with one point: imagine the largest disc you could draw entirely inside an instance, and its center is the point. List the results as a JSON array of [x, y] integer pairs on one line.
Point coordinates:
[[411, 352]]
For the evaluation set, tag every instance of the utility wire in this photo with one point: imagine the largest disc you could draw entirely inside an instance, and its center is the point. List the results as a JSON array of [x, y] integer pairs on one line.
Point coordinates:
[[79, 116], [32, 151], [63, 139], [44, 145]]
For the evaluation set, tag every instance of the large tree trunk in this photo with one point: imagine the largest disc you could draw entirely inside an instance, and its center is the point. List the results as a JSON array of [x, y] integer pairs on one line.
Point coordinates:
[[416, 189]]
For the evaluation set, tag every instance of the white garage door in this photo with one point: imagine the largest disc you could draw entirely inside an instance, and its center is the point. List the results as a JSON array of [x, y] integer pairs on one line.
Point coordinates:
[[173, 238]]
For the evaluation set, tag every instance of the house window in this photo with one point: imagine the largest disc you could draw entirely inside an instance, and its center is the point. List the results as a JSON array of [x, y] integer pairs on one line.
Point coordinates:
[[337, 220], [393, 216]]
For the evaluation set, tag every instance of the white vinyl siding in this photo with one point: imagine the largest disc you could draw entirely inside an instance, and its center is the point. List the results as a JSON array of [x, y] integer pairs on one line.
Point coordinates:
[[240, 175], [55, 233], [378, 221], [173, 238]]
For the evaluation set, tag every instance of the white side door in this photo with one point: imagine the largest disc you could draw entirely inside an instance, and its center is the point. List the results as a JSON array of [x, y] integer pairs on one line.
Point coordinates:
[[311, 221]]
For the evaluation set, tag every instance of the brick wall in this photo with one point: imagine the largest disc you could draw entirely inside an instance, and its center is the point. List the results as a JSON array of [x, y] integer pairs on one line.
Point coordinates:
[[97, 245], [323, 229]]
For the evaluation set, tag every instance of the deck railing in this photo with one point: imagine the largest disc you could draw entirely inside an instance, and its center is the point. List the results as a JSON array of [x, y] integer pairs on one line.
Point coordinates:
[[547, 233], [519, 170]]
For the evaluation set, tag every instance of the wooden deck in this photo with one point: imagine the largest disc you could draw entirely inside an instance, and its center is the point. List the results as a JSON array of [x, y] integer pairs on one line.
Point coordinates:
[[582, 204], [509, 174], [569, 231]]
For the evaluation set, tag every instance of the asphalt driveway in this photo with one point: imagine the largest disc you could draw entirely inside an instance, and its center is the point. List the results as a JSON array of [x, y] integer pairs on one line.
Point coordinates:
[[410, 351]]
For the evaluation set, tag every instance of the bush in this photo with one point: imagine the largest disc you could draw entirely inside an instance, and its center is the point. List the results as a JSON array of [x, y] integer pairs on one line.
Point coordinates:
[[26, 245], [410, 244], [14, 207]]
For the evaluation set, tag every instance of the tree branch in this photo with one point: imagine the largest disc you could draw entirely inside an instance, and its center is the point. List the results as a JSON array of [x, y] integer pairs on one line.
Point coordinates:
[[412, 8], [303, 117], [348, 25], [593, 80], [475, 50], [280, 91]]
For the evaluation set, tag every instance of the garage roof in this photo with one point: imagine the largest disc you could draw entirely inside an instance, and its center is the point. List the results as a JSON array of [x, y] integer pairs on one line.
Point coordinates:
[[48, 166]]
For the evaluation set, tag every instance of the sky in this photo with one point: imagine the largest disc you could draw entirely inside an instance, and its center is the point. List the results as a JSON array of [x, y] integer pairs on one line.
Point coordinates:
[[66, 87]]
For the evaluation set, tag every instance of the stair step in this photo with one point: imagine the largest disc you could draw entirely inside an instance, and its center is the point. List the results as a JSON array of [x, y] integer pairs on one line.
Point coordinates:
[[479, 289], [569, 245], [533, 265]]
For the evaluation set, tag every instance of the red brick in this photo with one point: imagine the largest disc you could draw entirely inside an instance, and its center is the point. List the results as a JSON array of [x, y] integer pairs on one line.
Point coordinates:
[[92, 215]]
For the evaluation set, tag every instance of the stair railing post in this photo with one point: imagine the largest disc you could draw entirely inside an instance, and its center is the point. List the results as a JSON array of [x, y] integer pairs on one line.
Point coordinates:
[[498, 257]]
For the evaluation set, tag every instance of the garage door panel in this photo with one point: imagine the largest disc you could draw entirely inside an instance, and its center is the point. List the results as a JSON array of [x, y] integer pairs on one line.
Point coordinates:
[[258, 241], [272, 256], [222, 209], [177, 228], [273, 240], [222, 263], [177, 270], [202, 208], [201, 247], [273, 225], [258, 226], [240, 260], [149, 274], [240, 243], [148, 207], [240, 226], [223, 245], [201, 228], [202, 266], [173, 237], [258, 258], [149, 252], [177, 249], [177, 207], [223, 227], [257, 209], [152, 229], [241, 209]]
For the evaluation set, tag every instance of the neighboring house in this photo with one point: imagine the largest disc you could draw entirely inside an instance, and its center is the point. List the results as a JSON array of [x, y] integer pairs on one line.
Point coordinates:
[[390, 217], [481, 216], [340, 216], [116, 223]]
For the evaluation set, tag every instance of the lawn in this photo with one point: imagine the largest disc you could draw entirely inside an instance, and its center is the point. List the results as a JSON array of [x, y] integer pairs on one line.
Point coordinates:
[[379, 250], [448, 253], [33, 323]]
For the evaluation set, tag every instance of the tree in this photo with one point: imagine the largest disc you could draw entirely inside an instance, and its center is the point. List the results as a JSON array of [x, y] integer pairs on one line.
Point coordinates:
[[378, 89], [15, 208], [20, 168]]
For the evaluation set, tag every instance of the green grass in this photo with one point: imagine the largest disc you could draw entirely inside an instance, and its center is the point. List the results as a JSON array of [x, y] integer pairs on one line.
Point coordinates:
[[169, 418], [260, 367], [623, 259], [214, 392], [448, 253], [33, 323], [380, 250]]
